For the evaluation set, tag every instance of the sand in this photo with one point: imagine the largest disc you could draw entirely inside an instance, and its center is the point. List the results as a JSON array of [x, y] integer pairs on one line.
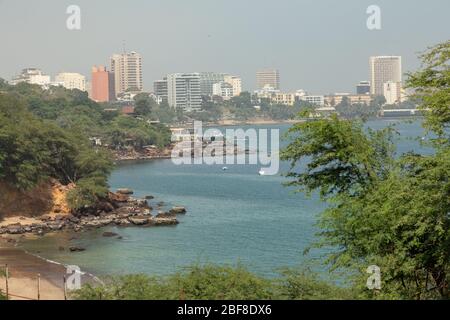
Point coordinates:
[[23, 271]]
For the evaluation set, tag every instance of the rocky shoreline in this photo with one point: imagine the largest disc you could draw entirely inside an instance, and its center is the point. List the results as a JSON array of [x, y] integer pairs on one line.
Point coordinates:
[[119, 209]]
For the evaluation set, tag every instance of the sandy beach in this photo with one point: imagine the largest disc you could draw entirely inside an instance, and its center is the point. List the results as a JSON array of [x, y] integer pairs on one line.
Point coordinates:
[[23, 274]]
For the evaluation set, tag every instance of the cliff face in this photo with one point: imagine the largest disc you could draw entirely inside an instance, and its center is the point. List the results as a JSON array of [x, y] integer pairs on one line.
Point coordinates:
[[47, 198]]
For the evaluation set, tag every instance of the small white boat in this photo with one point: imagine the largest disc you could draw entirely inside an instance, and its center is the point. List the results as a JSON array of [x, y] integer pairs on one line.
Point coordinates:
[[261, 172], [225, 168]]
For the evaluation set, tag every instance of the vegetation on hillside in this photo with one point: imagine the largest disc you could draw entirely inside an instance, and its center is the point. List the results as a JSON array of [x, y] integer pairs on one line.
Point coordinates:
[[384, 210], [209, 282], [46, 134]]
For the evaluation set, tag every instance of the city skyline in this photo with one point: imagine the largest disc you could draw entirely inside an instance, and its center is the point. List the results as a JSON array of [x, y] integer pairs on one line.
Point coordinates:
[[328, 59]]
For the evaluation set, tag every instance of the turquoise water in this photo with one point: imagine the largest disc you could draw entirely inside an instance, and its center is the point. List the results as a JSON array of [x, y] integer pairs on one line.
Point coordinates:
[[233, 216]]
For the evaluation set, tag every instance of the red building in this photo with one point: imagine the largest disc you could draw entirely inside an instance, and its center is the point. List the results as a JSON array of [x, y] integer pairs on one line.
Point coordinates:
[[102, 85]]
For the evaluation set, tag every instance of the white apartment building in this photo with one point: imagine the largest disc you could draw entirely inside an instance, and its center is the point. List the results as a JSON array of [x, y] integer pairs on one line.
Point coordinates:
[[71, 81], [236, 83], [183, 91], [267, 91], [384, 69], [127, 72], [32, 76], [224, 90], [316, 100], [392, 91]]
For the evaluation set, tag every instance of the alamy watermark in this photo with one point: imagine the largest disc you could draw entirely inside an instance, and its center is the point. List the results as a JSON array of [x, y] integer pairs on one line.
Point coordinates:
[[374, 19], [73, 278], [374, 280], [73, 22], [236, 146]]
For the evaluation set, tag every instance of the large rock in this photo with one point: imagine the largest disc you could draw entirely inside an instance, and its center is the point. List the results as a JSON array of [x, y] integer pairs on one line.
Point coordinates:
[[125, 191], [139, 220], [166, 215], [15, 229], [178, 210], [117, 197], [164, 221]]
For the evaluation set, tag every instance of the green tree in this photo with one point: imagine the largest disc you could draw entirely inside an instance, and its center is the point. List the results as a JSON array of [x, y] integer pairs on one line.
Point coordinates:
[[432, 87], [144, 104], [383, 210]]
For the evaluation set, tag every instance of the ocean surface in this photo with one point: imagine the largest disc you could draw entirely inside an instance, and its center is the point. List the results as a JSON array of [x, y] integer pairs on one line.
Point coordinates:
[[234, 216]]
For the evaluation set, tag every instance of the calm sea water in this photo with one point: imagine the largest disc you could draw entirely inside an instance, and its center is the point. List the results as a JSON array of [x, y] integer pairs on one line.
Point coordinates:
[[234, 216]]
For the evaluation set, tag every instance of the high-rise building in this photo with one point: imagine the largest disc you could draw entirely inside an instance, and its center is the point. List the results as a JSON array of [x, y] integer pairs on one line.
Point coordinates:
[[183, 91], [208, 79], [392, 91], [102, 85], [363, 87], [236, 83], [384, 69], [224, 90], [160, 90], [70, 80], [268, 77], [127, 70], [32, 76]]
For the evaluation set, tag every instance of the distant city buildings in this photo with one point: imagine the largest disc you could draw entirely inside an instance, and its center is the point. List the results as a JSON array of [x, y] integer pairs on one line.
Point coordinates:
[[267, 91], [160, 90], [363, 87], [317, 100], [32, 76], [224, 90], [184, 91], [102, 85], [209, 79], [384, 69], [70, 80], [392, 91], [127, 71], [335, 99], [236, 83], [287, 99], [268, 77]]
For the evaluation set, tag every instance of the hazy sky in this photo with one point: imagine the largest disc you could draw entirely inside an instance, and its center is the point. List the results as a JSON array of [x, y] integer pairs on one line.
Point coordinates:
[[321, 46]]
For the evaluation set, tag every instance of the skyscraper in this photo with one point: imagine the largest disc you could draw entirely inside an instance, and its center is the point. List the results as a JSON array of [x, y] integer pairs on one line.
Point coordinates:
[[103, 87], [384, 69], [183, 91], [71, 80], [268, 77], [127, 70]]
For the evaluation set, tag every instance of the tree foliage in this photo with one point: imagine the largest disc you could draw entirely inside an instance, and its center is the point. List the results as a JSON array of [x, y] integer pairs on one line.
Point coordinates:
[[211, 282], [385, 210], [432, 87]]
